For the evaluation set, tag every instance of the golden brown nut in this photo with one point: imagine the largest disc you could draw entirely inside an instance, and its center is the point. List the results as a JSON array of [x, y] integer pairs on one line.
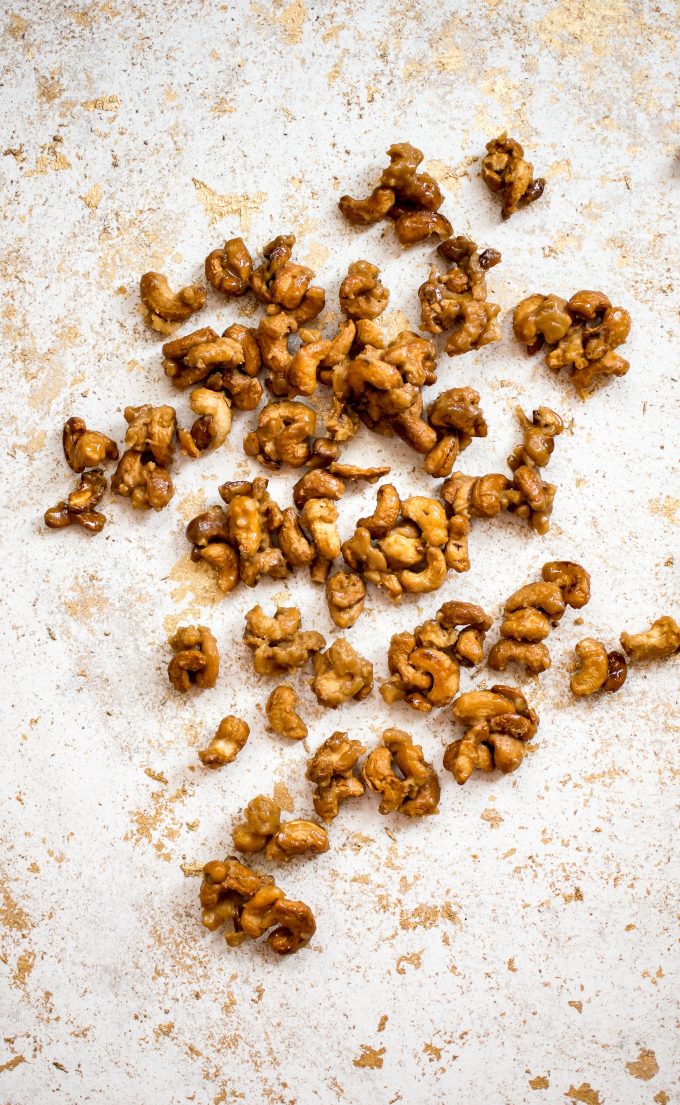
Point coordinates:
[[367, 211], [456, 300], [505, 170], [283, 435], [571, 578], [331, 769], [165, 309], [398, 772], [230, 738], [662, 639], [233, 893], [598, 669], [540, 318], [196, 658], [317, 484], [277, 643], [175, 352], [230, 268], [85, 448], [79, 508], [547, 597], [146, 484], [262, 817], [341, 674], [361, 293], [262, 828], [282, 713], [345, 595], [499, 724], [534, 657], [151, 430], [415, 226], [319, 518], [386, 513], [297, 838]]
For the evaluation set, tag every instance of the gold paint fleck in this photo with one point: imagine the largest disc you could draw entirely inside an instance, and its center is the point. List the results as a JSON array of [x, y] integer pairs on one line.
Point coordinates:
[[433, 1052], [661, 1098], [540, 1082], [577, 1005], [316, 255], [25, 964], [223, 107], [16, 27], [382, 1022], [283, 797], [668, 507], [12, 916], [584, 1093], [370, 1058], [102, 103], [192, 504], [93, 197], [50, 87], [645, 1066], [427, 916], [216, 206], [35, 443], [165, 1029], [414, 959], [492, 817], [196, 580], [511, 964], [51, 160], [448, 57], [191, 870], [13, 1063], [333, 32], [157, 776], [291, 21], [336, 69]]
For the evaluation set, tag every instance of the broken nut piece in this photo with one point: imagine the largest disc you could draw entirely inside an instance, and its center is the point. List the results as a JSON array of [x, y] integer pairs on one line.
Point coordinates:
[[165, 309], [231, 736], [282, 713], [196, 660], [499, 724], [85, 448]]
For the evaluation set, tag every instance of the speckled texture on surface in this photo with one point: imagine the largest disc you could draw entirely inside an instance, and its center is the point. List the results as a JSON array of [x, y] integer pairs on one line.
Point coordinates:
[[519, 946]]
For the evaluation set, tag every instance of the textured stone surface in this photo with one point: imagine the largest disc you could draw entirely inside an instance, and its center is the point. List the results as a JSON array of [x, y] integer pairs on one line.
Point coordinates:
[[522, 940]]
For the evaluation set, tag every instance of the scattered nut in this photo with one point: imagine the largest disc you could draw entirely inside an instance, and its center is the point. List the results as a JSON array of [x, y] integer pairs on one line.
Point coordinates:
[[662, 639], [283, 435], [341, 674], [262, 829], [456, 301], [146, 484], [345, 595], [361, 293], [504, 170], [398, 772], [196, 658], [230, 268], [282, 713], [79, 508], [85, 448], [231, 736], [165, 309], [498, 725], [331, 769], [277, 643], [598, 669]]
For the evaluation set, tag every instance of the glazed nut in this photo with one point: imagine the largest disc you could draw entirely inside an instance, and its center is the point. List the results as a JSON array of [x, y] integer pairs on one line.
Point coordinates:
[[151, 430], [617, 668], [386, 513], [297, 838], [79, 508], [332, 770], [85, 448], [196, 658], [533, 656], [165, 308], [571, 578], [230, 268], [357, 472], [367, 211], [146, 484], [282, 713], [498, 724], [231, 736], [283, 435], [415, 226], [505, 170], [277, 643], [361, 293], [598, 669], [662, 639], [346, 596], [340, 674], [547, 597], [399, 773], [262, 817], [213, 406], [317, 484], [319, 518], [540, 318]]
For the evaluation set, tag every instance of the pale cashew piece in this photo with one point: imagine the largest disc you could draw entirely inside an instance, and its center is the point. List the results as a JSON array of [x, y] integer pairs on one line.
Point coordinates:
[[662, 639], [213, 405]]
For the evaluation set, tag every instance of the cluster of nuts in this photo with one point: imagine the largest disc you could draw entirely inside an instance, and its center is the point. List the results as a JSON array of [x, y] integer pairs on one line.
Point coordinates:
[[399, 773], [424, 664], [498, 725], [456, 301], [252, 904], [532, 611], [505, 171], [262, 830], [196, 660], [84, 449], [333, 770], [598, 670], [143, 475], [277, 643], [404, 546], [582, 334], [411, 199]]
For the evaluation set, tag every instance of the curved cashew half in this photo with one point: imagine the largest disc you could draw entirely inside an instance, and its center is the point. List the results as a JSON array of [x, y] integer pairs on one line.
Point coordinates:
[[165, 306], [213, 404], [594, 668]]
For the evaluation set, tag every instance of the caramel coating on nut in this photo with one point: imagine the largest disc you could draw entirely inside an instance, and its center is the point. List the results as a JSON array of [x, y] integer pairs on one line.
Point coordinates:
[[367, 211], [277, 643], [346, 597], [362, 295], [262, 829], [597, 669], [662, 639], [399, 773], [281, 709], [572, 579], [499, 724], [230, 268], [146, 484], [332, 770], [79, 508], [196, 660], [283, 435], [251, 904], [151, 430], [506, 171], [341, 674], [456, 301], [534, 657], [581, 334], [165, 309], [85, 448], [231, 736]]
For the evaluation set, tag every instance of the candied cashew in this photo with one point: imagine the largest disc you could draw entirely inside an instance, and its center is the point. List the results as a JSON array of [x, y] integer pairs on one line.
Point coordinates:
[[398, 772], [456, 301], [283, 435], [262, 829], [362, 295], [341, 674], [505, 170], [79, 508], [345, 596], [231, 736], [331, 769], [598, 669], [535, 657], [165, 309], [415, 226], [499, 724], [277, 643], [151, 430], [85, 448], [230, 268], [317, 484], [367, 211], [146, 484], [252, 904], [212, 426], [196, 658], [571, 578], [662, 639], [282, 713]]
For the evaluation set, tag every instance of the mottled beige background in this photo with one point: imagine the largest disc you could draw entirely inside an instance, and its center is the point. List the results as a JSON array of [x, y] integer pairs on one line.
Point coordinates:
[[519, 946]]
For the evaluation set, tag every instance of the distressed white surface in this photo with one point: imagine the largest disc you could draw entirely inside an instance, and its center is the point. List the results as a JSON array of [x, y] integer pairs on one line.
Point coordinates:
[[111, 991]]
